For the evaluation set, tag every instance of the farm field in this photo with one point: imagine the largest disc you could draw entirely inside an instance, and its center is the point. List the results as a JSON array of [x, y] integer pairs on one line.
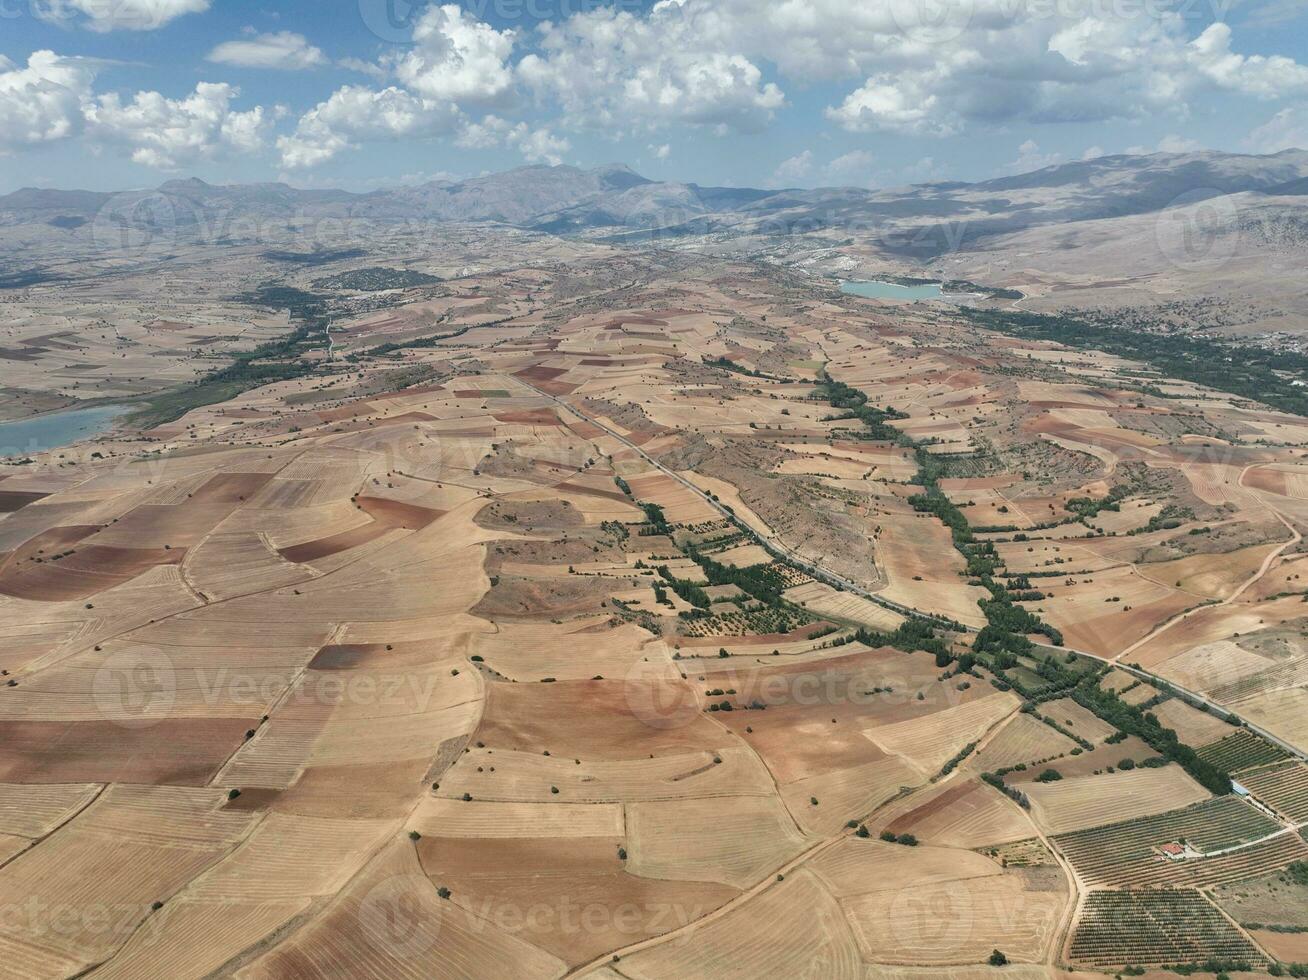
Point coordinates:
[[1156, 927], [591, 602]]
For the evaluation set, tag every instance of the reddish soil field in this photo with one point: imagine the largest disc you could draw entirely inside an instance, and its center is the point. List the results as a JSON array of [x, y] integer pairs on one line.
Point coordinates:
[[13, 500], [597, 719], [178, 752], [536, 416], [556, 879], [387, 515], [85, 573]]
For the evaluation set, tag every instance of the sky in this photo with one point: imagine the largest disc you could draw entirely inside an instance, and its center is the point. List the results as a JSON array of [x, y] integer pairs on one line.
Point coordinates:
[[360, 94]]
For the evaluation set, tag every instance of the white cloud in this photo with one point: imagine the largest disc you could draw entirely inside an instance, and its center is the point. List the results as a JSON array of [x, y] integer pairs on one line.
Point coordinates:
[[793, 170], [887, 102], [1030, 158], [539, 145], [1168, 144], [986, 63], [1265, 77], [458, 59], [854, 167], [43, 100], [1172, 143], [536, 145], [172, 133], [355, 114], [661, 152], [1287, 130], [611, 69], [284, 50], [112, 15], [484, 135], [362, 67], [1092, 152]]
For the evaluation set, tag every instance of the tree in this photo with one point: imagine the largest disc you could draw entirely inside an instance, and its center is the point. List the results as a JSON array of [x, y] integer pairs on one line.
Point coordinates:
[[998, 959]]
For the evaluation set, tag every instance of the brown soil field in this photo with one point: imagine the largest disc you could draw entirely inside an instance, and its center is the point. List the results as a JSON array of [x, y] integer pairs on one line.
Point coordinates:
[[372, 671]]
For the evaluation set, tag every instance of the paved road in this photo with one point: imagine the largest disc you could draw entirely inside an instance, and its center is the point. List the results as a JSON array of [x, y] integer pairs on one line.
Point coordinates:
[[780, 550]]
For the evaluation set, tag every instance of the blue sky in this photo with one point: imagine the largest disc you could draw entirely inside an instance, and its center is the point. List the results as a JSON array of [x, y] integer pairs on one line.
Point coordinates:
[[109, 94]]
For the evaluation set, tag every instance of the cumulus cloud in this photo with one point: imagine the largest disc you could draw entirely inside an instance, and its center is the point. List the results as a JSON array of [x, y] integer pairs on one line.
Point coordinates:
[[794, 169], [661, 152], [536, 145], [1287, 130], [354, 114], [888, 102], [457, 58], [284, 50], [113, 15], [539, 145], [1030, 158], [612, 69], [172, 133], [1265, 77], [854, 167], [42, 101], [930, 69]]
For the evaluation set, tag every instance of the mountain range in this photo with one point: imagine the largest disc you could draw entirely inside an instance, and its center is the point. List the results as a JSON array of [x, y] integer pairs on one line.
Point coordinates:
[[615, 201]]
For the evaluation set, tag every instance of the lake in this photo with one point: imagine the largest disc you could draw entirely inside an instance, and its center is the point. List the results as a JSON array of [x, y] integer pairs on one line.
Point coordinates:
[[891, 290], [45, 432]]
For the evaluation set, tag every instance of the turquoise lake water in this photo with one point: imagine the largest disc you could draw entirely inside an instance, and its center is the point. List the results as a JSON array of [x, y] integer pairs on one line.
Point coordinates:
[[45, 432], [890, 290]]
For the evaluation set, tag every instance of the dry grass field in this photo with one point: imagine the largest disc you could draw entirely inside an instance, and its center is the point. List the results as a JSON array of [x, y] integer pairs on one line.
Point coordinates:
[[494, 643]]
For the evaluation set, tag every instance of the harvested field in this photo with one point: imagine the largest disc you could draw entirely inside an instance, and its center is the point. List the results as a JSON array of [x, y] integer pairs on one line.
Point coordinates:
[[391, 923], [1090, 801], [928, 743], [370, 671], [734, 841], [1024, 739], [967, 814], [782, 932], [1194, 727], [938, 905]]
